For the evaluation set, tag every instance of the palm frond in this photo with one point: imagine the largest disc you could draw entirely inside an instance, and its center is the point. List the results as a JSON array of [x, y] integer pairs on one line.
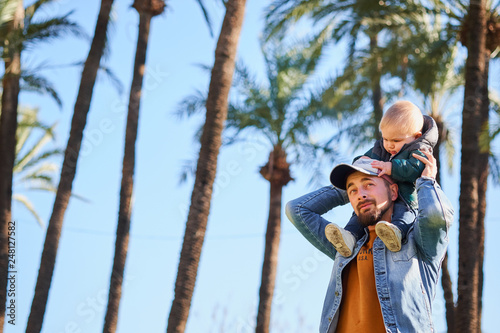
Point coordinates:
[[39, 84], [106, 52], [7, 10], [42, 157], [23, 154], [188, 170], [33, 8], [494, 165], [198, 133], [49, 188], [37, 181], [49, 29], [314, 156], [494, 123], [29, 206], [33, 168], [245, 82], [192, 105], [107, 71], [449, 144], [257, 118], [26, 123], [281, 14], [206, 16], [113, 78]]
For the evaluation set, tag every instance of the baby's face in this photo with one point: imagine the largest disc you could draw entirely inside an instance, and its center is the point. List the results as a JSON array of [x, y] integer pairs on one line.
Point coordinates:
[[394, 141]]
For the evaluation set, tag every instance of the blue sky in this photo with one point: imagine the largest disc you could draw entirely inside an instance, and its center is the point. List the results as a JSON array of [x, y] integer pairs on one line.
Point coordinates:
[[226, 293]]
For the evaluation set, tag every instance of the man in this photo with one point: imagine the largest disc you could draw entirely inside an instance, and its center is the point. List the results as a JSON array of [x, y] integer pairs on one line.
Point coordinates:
[[374, 289]]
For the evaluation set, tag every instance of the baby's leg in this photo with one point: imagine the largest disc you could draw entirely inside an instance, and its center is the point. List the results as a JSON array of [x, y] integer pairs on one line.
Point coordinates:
[[403, 217], [344, 239], [393, 233]]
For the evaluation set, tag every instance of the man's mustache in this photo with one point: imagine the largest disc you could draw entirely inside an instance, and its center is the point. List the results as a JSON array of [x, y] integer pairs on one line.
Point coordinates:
[[364, 202]]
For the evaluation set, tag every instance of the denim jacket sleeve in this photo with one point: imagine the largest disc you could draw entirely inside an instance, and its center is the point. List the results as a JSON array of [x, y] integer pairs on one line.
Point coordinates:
[[305, 214], [435, 216]]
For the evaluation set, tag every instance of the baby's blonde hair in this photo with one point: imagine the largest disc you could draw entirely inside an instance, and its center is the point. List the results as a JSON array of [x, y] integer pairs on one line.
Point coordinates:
[[405, 117]]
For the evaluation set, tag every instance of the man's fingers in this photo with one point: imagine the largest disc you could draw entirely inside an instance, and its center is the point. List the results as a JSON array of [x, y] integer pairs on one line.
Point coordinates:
[[430, 164], [430, 159], [428, 155], [420, 158]]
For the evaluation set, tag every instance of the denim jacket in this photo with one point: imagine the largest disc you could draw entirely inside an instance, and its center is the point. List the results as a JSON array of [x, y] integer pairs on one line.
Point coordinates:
[[405, 280]]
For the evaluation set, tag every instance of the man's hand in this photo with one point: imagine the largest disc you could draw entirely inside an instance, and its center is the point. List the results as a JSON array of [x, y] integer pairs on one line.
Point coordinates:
[[430, 164], [385, 167]]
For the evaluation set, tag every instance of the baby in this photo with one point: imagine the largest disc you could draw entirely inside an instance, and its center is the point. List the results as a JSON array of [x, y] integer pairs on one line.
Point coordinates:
[[405, 130]]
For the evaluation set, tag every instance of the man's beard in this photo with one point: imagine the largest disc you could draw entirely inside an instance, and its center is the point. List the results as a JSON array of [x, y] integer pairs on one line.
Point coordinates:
[[371, 217]]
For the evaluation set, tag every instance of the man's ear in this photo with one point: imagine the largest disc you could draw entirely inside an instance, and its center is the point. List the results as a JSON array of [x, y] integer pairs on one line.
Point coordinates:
[[394, 192]]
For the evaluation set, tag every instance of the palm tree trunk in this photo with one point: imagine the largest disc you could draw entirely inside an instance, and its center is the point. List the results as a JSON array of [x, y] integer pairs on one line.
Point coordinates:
[[466, 315], [448, 294], [482, 179], [217, 102], [122, 231], [68, 170], [270, 264], [277, 172], [8, 127]]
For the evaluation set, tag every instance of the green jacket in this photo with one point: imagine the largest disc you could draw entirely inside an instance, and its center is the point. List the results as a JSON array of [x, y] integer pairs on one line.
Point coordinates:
[[406, 168]]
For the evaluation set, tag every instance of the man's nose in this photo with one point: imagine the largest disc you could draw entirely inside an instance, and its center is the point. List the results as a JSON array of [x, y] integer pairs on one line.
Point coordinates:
[[361, 194]]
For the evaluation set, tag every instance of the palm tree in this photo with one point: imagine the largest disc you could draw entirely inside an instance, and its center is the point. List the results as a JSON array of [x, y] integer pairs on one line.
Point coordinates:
[[8, 124], [68, 170], [33, 168], [466, 316], [435, 104], [18, 30], [33, 165], [432, 74], [492, 44], [463, 26], [11, 55], [282, 112], [457, 28], [216, 112], [355, 21], [147, 9]]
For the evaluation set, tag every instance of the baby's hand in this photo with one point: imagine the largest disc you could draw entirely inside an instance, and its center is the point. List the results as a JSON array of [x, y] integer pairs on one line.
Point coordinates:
[[385, 167]]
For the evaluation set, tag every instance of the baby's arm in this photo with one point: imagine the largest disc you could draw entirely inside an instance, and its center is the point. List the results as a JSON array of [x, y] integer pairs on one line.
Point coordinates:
[[407, 170]]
